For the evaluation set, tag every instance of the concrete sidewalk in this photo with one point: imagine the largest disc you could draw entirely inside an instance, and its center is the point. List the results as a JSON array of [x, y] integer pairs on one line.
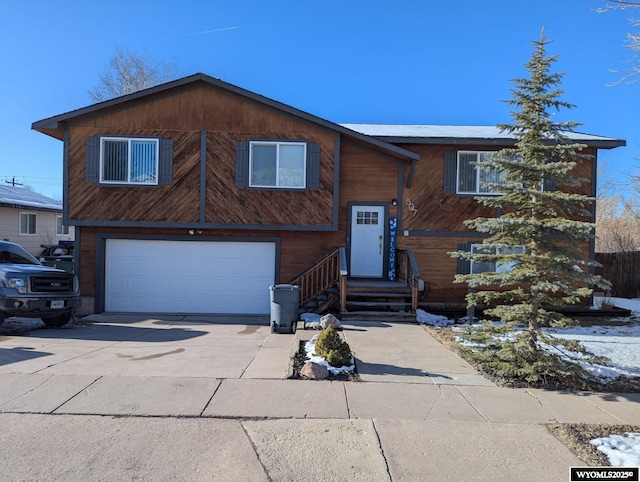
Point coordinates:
[[217, 393]]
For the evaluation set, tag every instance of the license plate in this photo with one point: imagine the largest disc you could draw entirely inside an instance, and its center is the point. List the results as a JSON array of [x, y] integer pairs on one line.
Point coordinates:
[[57, 304]]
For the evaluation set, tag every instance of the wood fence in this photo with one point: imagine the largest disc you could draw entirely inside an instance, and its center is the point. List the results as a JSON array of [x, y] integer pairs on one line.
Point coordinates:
[[622, 270]]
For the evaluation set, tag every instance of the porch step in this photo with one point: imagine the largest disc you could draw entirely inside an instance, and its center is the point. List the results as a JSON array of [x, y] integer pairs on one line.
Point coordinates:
[[384, 316], [390, 305], [379, 294], [322, 302], [378, 300]]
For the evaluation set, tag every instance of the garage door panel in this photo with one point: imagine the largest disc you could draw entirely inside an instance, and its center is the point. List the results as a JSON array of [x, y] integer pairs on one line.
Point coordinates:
[[188, 276]]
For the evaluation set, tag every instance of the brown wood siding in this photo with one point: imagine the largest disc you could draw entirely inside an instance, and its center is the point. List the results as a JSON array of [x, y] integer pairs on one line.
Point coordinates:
[[176, 203], [364, 176], [182, 117], [198, 108], [583, 170], [437, 211], [86, 252], [227, 118], [228, 204], [437, 267]]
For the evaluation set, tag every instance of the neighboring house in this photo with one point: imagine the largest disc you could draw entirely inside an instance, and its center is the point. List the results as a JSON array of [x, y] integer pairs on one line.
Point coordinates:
[[31, 219], [196, 195]]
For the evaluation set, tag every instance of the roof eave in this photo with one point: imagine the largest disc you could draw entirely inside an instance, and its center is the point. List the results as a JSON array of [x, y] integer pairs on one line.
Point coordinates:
[[483, 141], [52, 125], [29, 207]]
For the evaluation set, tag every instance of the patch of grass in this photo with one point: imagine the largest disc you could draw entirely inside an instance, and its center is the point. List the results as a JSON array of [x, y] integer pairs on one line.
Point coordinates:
[[576, 437], [447, 337]]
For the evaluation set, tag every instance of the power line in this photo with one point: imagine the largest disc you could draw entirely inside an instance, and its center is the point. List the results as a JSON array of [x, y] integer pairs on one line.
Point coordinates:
[[13, 182], [31, 180]]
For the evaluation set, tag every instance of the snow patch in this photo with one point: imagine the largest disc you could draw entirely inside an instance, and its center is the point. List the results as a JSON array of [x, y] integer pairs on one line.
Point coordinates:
[[433, 320], [622, 451], [310, 317]]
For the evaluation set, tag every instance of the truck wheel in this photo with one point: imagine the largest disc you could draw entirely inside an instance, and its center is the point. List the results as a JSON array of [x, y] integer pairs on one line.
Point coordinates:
[[57, 321]]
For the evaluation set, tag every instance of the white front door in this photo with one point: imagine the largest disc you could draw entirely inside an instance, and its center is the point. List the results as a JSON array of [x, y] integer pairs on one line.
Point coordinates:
[[367, 241]]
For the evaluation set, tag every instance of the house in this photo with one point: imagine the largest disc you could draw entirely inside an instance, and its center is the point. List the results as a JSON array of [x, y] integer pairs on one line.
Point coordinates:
[[197, 195], [31, 219]]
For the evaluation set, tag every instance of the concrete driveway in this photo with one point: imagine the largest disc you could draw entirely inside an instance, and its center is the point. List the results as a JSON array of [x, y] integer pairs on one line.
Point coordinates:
[[202, 398], [142, 345]]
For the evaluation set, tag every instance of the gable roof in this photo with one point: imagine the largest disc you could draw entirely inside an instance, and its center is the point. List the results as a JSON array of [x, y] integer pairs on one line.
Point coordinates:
[[54, 126], [381, 137], [478, 135], [18, 197]]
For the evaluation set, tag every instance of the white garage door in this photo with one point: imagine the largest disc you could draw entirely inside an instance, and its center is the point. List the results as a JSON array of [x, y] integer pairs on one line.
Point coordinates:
[[188, 276]]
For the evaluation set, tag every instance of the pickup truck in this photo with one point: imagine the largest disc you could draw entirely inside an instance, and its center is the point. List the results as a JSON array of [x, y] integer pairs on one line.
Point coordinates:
[[58, 255], [30, 289]]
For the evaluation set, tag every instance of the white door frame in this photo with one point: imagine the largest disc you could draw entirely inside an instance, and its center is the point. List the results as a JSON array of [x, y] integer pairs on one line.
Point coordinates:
[[378, 246]]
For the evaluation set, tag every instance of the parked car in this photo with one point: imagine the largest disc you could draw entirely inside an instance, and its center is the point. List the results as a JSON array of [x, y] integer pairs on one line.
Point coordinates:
[[30, 289], [58, 255]]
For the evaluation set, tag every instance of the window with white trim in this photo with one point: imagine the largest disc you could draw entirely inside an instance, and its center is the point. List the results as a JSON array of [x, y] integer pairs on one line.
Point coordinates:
[[129, 160], [494, 267], [277, 164], [27, 223], [61, 229], [367, 217], [472, 176]]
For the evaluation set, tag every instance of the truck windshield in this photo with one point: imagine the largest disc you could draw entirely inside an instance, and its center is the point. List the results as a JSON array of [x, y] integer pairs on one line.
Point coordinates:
[[12, 253]]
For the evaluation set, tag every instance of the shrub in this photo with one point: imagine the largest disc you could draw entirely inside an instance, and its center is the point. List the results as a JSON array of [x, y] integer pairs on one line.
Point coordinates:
[[505, 356], [331, 347]]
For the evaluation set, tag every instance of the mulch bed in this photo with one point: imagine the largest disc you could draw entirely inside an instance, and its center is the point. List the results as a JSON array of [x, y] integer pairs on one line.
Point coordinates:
[[300, 358]]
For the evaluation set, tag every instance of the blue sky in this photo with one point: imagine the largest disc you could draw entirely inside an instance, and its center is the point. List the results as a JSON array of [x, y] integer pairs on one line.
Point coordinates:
[[404, 62]]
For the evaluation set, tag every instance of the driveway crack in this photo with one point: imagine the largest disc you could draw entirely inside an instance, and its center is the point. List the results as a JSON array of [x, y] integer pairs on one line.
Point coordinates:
[[384, 457], [255, 451], [29, 391], [472, 405], [76, 394]]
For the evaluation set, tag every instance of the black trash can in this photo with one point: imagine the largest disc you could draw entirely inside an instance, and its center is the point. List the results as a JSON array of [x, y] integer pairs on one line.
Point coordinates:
[[285, 300]]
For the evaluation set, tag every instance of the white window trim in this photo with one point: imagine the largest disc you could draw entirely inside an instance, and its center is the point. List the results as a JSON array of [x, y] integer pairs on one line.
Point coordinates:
[[477, 192], [129, 140], [58, 233], [499, 267], [278, 144], [28, 213]]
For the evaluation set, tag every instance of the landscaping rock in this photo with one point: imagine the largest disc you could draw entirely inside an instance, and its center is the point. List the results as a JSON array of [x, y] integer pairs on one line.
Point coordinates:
[[314, 371], [330, 320]]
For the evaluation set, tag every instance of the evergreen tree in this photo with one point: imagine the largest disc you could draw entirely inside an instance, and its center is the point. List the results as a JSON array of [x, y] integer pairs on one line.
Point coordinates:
[[535, 255]]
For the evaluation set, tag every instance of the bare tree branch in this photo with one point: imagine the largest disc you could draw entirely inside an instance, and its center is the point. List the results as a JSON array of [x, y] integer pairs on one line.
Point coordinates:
[[630, 75], [618, 5], [129, 72]]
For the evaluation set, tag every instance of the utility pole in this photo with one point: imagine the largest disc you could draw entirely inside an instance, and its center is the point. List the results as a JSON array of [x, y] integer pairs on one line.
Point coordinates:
[[13, 182]]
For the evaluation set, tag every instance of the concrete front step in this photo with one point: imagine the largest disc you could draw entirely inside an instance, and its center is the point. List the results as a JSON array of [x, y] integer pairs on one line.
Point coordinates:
[[380, 305], [378, 294], [390, 316]]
